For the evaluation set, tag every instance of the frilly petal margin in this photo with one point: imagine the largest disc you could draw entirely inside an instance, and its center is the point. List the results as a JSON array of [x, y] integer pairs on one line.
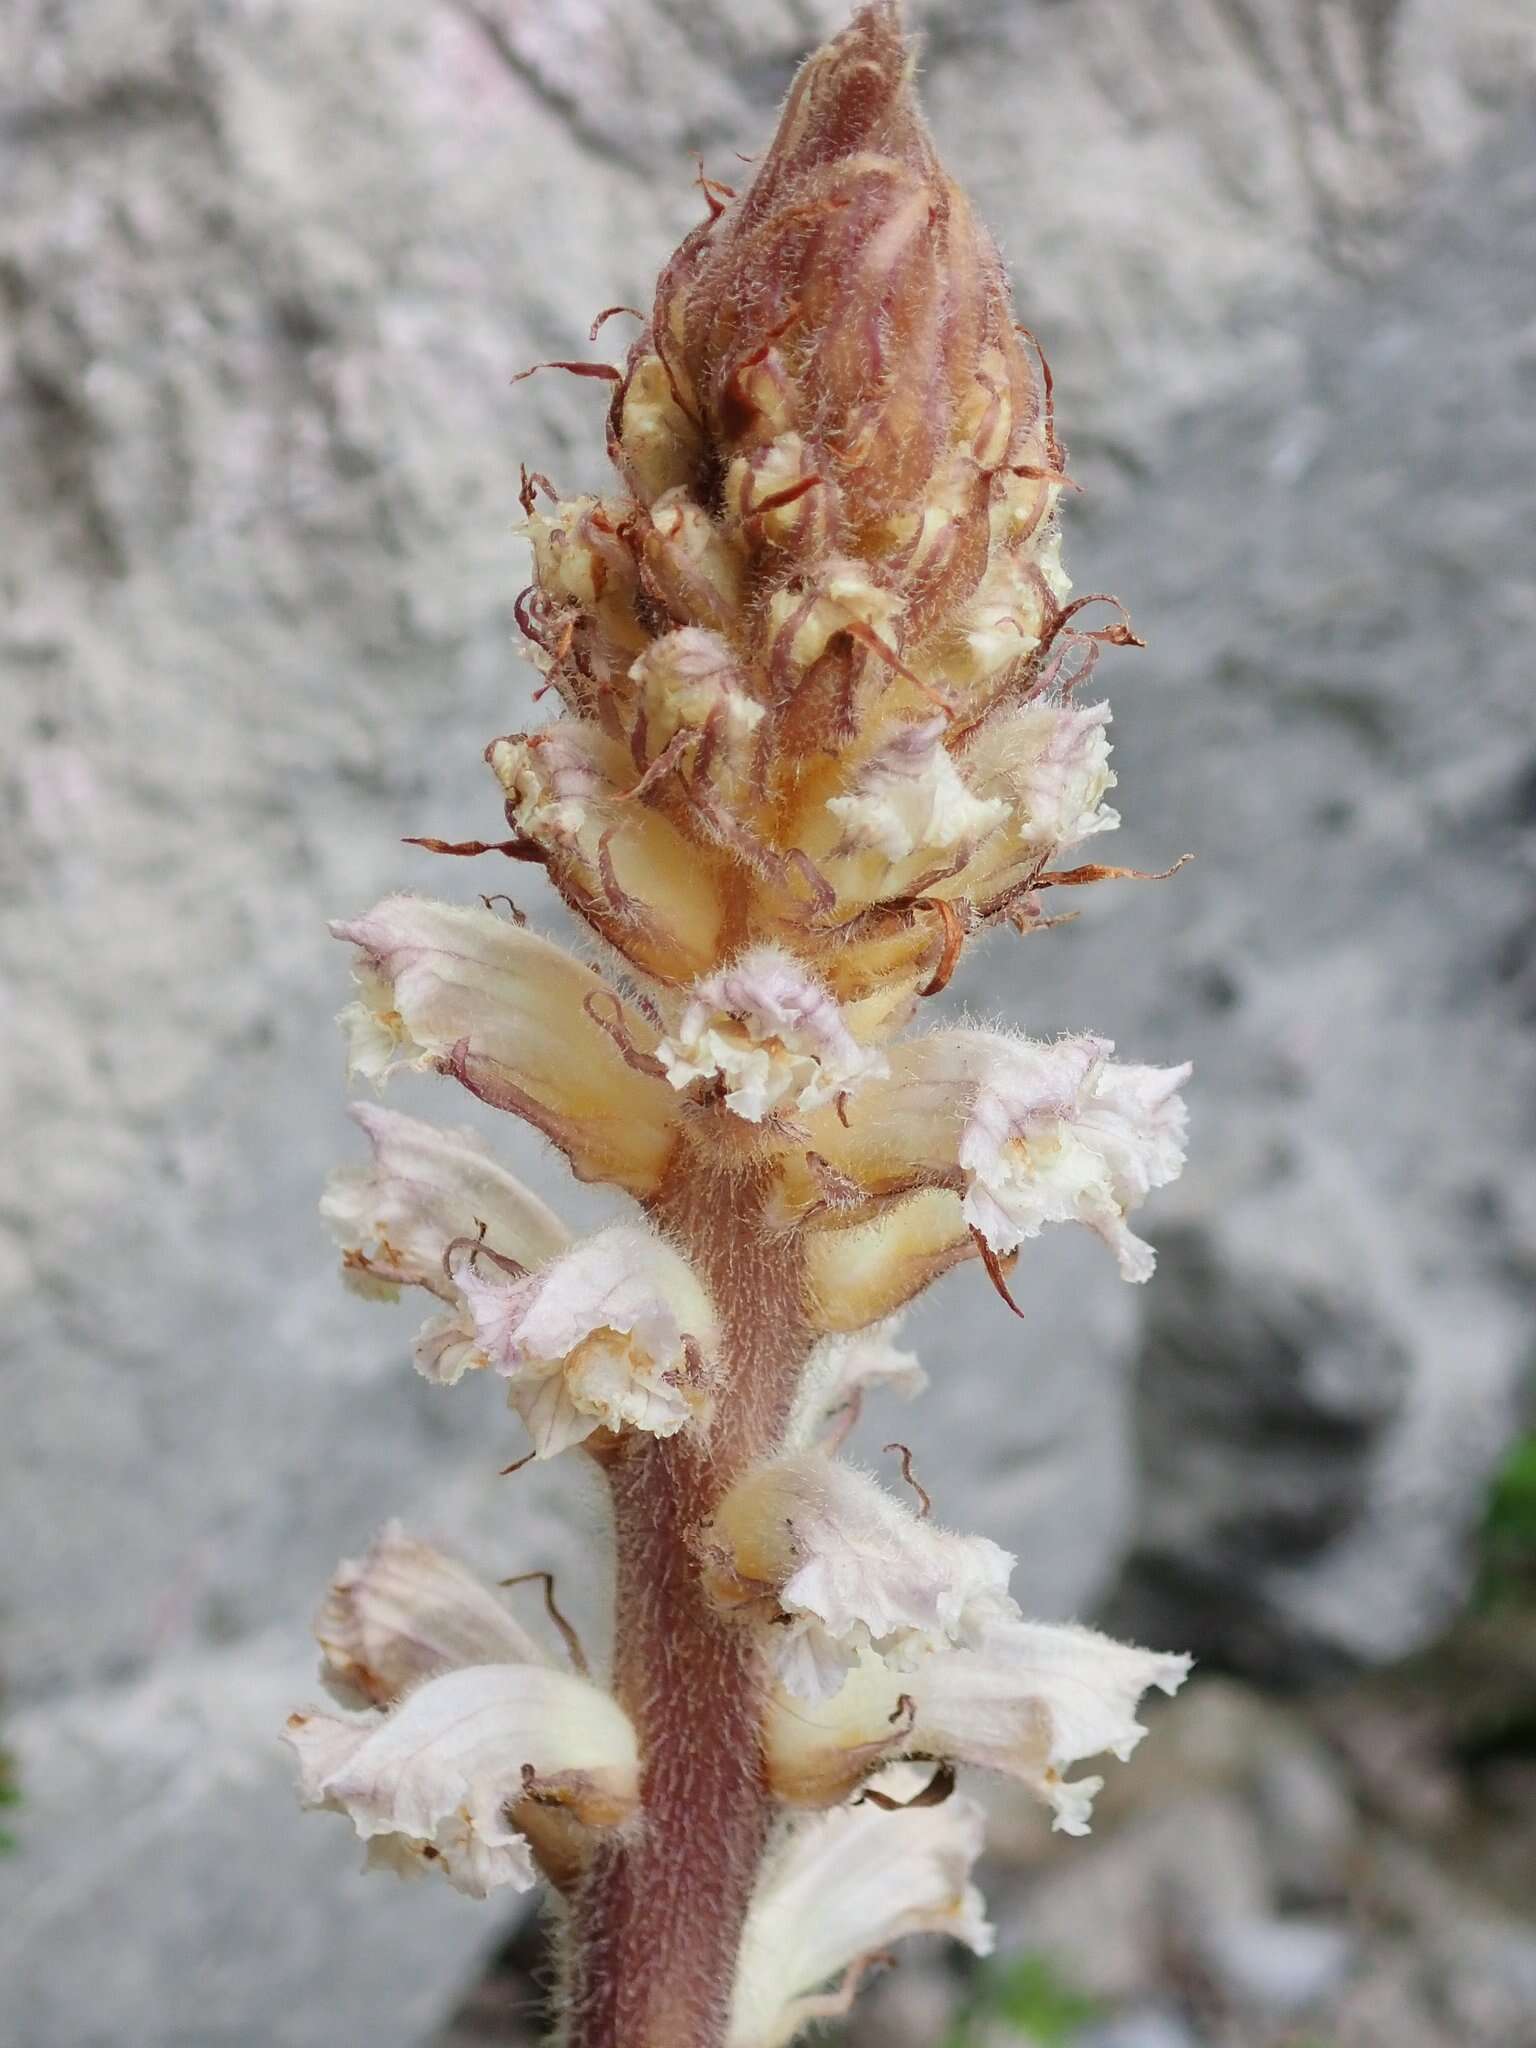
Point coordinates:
[[434, 1782], [1029, 1699], [615, 1333], [834, 1564]]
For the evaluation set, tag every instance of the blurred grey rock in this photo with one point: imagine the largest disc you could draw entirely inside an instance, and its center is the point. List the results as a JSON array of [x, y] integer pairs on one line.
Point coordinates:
[[265, 274], [166, 1889], [1107, 1915], [910, 2006], [1476, 1964], [1362, 1219], [1308, 1820], [1270, 1372], [1146, 2027], [1273, 1965]]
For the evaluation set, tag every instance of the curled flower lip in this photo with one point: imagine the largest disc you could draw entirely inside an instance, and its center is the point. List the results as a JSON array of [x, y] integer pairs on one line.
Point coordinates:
[[1027, 1132], [840, 1373], [771, 1034], [406, 1612], [424, 1188], [910, 800], [842, 1567], [612, 1334], [1049, 762], [432, 1782], [1028, 1699], [1077, 1139]]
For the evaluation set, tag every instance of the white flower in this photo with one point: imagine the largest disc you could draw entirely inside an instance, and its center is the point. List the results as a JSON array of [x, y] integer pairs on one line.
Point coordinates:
[[552, 778], [1052, 761], [1059, 1133], [517, 1020], [1026, 1698], [434, 1781], [771, 1034], [841, 1887], [1033, 1698], [1026, 1132], [842, 1565], [404, 1613], [843, 1368], [911, 798], [872, 1358], [612, 1334], [692, 680], [479, 1733], [1004, 619], [844, 598], [395, 1218]]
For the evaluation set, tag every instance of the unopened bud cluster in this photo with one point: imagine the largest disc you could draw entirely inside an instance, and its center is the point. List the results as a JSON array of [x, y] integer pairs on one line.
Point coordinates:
[[821, 720]]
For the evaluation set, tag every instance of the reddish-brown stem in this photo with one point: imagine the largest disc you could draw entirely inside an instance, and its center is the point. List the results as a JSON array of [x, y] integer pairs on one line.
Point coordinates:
[[656, 1924]]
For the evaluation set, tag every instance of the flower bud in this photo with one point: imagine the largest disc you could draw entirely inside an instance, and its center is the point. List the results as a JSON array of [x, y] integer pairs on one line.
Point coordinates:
[[848, 318]]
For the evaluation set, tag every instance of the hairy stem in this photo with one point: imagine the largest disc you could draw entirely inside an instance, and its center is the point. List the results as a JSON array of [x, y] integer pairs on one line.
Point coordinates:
[[657, 1923]]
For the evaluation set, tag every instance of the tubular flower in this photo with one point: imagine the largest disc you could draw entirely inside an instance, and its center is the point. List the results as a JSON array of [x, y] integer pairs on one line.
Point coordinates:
[[1062, 1134], [835, 1564], [1027, 1698], [1050, 765], [557, 781], [424, 1189], [612, 1334], [910, 799], [838, 1890], [428, 1195], [404, 1613], [821, 721], [842, 1370], [459, 1773], [450, 988], [1025, 1132]]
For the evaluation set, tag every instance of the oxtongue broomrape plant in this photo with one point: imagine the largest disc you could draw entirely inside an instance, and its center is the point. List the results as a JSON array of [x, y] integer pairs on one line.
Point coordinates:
[[823, 716]]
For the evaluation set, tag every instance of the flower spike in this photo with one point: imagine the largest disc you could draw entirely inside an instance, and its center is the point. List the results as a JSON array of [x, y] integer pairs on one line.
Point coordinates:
[[817, 723]]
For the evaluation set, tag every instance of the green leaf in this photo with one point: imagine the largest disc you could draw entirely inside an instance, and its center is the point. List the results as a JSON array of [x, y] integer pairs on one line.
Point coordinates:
[[1029, 1995], [1509, 1529]]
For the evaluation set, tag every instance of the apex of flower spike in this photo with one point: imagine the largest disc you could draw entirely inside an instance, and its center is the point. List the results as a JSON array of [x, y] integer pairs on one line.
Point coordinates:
[[839, 340]]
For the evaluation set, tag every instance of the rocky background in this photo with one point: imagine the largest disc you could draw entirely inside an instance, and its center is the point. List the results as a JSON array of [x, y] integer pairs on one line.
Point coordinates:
[[265, 274]]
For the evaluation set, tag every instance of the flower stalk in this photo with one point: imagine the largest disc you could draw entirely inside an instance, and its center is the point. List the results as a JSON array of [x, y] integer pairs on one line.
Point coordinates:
[[821, 723]]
